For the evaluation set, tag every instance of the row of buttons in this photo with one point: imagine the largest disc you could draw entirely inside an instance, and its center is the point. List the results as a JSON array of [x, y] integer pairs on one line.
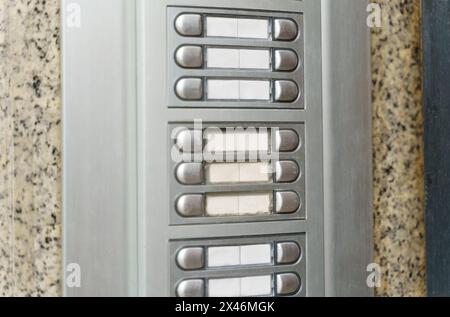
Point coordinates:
[[192, 56], [191, 141], [238, 204], [193, 258], [285, 284], [189, 24], [193, 89], [194, 174]]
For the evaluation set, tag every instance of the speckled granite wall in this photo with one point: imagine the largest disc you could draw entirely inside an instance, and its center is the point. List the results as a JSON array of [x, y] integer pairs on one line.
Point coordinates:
[[30, 142], [398, 150]]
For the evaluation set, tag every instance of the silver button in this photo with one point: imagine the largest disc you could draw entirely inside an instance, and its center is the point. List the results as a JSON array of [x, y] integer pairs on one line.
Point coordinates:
[[190, 173], [288, 252], [191, 258], [189, 56], [284, 30], [190, 88], [286, 171], [287, 202], [189, 24], [190, 141], [285, 60], [285, 90], [286, 141], [191, 288], [287, 284], [191, 205]]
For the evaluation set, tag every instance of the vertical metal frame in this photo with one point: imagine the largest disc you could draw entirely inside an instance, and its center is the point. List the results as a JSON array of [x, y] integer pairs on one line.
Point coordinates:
[[176, 189], [99, 146], [347, 147]]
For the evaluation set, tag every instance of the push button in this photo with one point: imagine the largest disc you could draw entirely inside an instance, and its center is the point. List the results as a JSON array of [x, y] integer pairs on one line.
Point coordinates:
[[285, 60], [287, 284], [191, 205], [189, 141], [286, 141], [190, 173], [189, 56], [191, 258], [286, 171], [285, 91], [284, 30], [287, 252], [191, 288], [189, 88], [189, 24], [287, 202]]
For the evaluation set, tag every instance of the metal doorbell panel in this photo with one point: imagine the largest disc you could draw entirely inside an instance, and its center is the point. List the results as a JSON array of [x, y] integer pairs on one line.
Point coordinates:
[[209, 147]]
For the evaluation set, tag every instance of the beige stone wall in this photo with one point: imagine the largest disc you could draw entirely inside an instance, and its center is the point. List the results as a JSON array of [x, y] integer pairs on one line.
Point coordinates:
[[30, 146], [398, 150]]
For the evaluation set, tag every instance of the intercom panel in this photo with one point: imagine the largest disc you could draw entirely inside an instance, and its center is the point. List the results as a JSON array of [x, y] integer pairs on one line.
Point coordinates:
[[209, 147], [234, 92]]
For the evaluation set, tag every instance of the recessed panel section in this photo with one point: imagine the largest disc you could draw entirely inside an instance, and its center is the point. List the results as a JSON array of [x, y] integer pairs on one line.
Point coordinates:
[[245, 58], [226, 174], [268, 265]]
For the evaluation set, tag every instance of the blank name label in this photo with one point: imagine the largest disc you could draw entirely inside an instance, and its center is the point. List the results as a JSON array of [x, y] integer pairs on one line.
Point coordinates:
[[240, 255], [242, 204], [234, 173], [243, 286], [223, 89], [239, 140], [238, 58], [237, 27]]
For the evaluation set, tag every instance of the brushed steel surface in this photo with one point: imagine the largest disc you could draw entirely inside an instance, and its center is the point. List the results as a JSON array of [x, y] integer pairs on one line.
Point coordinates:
[[191, 258], [189, 24], [190, 173], [189, 56], [191, 205], [99, 147], [287, 284], [287, 202], [285, 60], [285, 90], [287, 252], [189, 88], [191, 288], [286, 140], [286, 171], [284, 30], [190, 141], [347, 147]]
